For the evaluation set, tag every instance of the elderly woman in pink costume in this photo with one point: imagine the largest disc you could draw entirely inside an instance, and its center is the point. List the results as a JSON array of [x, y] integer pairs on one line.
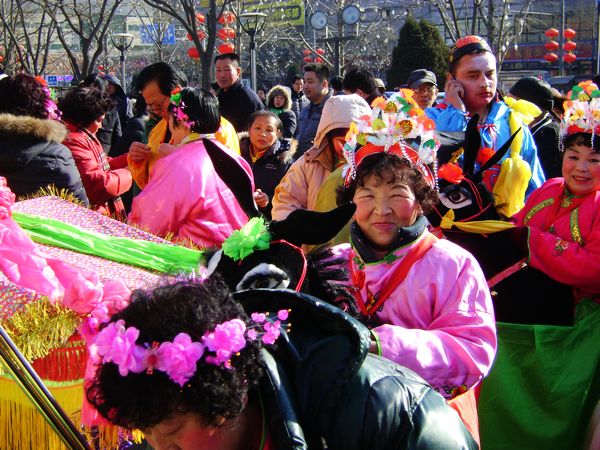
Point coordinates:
[[426, 300], [184, 197]]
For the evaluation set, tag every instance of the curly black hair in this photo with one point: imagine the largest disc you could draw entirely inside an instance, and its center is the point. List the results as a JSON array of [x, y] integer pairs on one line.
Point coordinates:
[[202, 107], [23, 95], [391, 167], [143, 400], [83, 105]]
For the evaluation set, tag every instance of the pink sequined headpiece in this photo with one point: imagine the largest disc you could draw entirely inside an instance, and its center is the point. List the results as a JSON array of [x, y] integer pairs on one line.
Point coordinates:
[[116, 344]]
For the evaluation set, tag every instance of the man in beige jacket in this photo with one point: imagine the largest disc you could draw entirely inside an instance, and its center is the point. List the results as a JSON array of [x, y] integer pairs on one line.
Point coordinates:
[[299, 187]]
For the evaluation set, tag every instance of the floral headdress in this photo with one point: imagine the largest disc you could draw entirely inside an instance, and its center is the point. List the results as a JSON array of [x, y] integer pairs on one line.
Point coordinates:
[[50, 101], [391, 123], [582, 110], [178, 111], [116, 344]]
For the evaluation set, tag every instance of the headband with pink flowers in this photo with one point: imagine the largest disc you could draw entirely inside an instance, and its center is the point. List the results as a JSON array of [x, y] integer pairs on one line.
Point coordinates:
[[178, 111], [115, 344], [582, 111]]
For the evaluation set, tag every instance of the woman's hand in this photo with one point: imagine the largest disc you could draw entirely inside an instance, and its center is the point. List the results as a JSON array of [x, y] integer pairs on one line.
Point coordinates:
[[138, 152], [261, 198]]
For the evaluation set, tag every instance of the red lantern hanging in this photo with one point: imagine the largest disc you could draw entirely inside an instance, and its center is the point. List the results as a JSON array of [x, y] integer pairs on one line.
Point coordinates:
[[551, 46], [189, 37], [569, 58], [551, 33], [226, 47], [200, 17], [226, 33], [193, 53], [226, 17], [569, 33], [306, 52], [318, 59], [1, 59], [551, 57], [201, 34], [307, 59], [570, 46], [320, 51], [100, 67]]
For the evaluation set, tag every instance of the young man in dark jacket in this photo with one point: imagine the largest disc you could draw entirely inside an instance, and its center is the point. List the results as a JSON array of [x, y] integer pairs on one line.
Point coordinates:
[[236, 101]]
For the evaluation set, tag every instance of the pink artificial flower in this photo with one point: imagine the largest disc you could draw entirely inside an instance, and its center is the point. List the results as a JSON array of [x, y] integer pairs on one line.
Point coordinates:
[[258, 317], [116, 344], [282, 314], [252, 335], [272, 332], [178, 358], [83, 295], [227, 339], [7, 198], [115, 295]]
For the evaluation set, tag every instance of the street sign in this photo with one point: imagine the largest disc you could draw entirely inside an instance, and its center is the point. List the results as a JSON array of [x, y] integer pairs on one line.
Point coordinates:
[[52, 80], [281, 12], [149, 32]]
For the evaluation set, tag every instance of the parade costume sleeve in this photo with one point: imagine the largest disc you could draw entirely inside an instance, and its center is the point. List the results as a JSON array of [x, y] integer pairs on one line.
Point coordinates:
[[227, 136], [448, 118], [100, 185], [292, 192], [440, 323]]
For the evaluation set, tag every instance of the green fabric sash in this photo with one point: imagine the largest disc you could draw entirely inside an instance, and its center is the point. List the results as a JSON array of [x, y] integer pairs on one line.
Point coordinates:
[[160, 257], [543, 386]]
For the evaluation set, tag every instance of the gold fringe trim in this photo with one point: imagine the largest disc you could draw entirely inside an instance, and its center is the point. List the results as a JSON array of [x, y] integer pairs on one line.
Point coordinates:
[[41, 327], [52, 191], [23, 427]]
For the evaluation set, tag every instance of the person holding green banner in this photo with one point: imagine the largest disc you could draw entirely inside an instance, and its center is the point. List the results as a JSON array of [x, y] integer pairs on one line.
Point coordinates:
[[545, 382]]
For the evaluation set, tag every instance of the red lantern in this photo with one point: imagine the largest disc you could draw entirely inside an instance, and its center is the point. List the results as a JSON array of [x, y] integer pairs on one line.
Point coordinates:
[[569, 58], [320, 51], [551, 57], [201, 34], [226, 33], [193, 53], [306, 52], [570, 46], [551, 33], [307, 59], [318, 59], [226, 47], [569, 33], [200, 17], [100, 67], [226, 17], [1, 58], [551, 46]]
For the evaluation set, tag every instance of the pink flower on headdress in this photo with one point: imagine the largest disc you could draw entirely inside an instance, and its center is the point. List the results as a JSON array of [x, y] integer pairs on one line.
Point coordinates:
[[116, 344], [258, 317], [115, 295], [227, 339], [178, 358], [272, 332], [282, 314], [7, 198]]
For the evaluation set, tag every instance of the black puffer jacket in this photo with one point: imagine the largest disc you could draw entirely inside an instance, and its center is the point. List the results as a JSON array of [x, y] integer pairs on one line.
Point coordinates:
[[271, 167], [322, 389], [32, 156]]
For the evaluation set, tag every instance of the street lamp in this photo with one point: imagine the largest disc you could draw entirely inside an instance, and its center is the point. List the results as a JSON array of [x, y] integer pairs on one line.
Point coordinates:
[[252, 23], [122, 42]]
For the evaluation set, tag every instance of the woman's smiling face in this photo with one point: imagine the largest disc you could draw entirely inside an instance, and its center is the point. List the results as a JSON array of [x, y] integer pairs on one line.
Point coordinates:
[[581, 169]]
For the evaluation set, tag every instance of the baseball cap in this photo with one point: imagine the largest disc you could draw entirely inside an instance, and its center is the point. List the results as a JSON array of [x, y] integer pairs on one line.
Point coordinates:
[[420, 76]]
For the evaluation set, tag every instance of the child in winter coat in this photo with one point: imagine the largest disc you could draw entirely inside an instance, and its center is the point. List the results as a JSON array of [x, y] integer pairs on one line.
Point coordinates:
[[269, 155]]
